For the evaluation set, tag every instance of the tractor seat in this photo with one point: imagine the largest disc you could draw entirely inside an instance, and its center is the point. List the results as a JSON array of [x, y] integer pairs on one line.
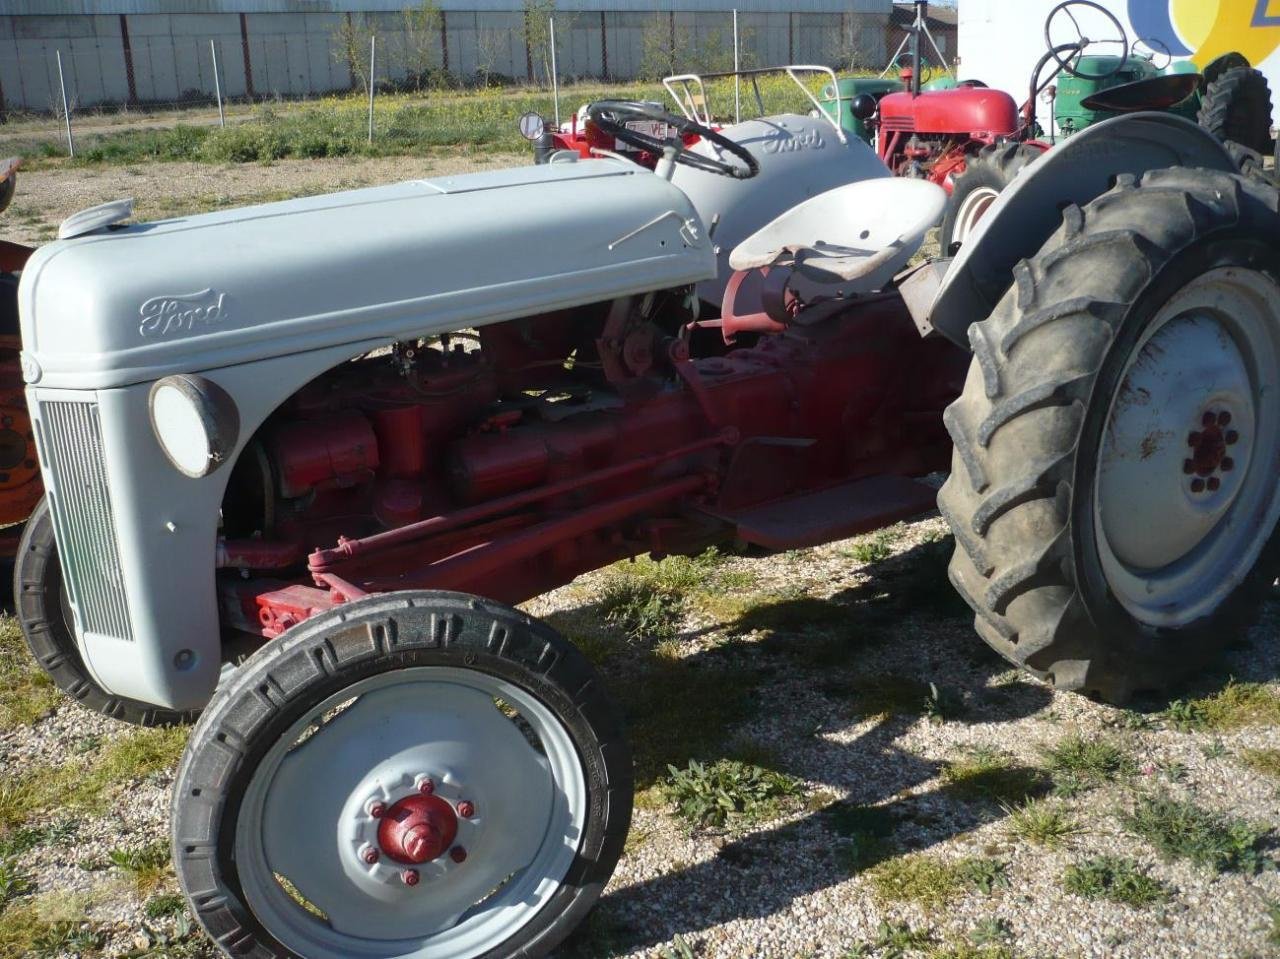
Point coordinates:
[[864, 231]]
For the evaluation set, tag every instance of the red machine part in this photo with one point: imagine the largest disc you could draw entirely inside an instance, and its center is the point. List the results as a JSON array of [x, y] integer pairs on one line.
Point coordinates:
[[417, 829], [973, 112], [932, 134], [427, 476]]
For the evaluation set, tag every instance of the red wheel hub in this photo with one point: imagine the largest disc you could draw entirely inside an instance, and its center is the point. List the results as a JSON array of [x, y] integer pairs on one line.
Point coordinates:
[[417, 829]]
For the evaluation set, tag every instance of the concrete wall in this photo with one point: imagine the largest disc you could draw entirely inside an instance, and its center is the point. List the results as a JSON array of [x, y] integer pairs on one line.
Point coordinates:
[[265, 54]]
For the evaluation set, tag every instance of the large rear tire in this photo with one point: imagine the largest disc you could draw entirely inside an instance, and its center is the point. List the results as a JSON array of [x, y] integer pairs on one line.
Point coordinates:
[[1114, 490], [985, 178], [1236, 108], [45, 618]]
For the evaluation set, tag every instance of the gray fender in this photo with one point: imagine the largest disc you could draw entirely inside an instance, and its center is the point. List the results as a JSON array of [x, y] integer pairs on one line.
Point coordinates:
[[1026, 214]]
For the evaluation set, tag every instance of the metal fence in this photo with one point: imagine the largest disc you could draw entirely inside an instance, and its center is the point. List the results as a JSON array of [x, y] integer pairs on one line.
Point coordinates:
[[132, 64]]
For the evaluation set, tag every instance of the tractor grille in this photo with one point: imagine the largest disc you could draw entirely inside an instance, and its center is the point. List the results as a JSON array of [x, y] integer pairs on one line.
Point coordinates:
[[71, 438], [901, 124]]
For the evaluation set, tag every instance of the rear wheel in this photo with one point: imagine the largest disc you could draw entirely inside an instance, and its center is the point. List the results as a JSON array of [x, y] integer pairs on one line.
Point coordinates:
[[1114, 488], [985, 177], [416, 774], [45, 616], [1236, 108]]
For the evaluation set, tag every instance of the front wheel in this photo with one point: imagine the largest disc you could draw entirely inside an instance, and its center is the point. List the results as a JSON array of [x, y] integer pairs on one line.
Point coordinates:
[[985, 177], [420, 774], [1114, 490]]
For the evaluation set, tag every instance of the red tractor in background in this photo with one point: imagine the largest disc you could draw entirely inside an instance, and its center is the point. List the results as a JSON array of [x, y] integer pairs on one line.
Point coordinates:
[[20, 486]]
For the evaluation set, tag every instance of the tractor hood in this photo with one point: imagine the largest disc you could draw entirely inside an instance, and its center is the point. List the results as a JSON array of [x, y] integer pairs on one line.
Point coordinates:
[[128, 304]]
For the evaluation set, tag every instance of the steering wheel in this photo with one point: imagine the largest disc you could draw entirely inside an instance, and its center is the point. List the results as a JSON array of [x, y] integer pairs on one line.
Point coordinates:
[[1151, 43], [1072, 49], [610, 117]]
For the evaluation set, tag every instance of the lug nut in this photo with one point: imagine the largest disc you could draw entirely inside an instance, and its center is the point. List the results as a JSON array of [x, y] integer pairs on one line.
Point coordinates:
[[1188, 466], [370, 855], [1224, 418], [1209, 418], [458, 854], [1232, 437], [1213, 483], [409, 877], [1193, 438], [1227, 464], [376, 809], [1197, 486], [466, 809], [427, 787]]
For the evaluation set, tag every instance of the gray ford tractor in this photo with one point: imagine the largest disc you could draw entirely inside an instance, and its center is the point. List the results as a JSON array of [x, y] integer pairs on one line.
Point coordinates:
[[344, 434]]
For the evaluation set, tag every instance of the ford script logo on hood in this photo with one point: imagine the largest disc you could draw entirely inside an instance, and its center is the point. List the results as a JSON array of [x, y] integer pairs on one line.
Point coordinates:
[[181, 312]]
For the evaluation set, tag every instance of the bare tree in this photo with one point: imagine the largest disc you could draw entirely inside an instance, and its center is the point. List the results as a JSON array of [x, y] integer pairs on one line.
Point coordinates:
[[422, 40], [350, 46], [537, 34]]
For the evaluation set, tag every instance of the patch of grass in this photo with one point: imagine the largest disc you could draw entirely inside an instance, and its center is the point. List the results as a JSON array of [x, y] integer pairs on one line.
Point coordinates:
[[164, 905], [969, 950], [1234, 706], [1273, 915], [1114, 879], [896, 938], [887, 695], [992, 775], [1265, 761], [1041, 822], [679, 710], [136, 755], [27, 694], [990, 930], [147, 867], [873, 548], [864, 834], [49, 927], [13, 882], [930, 881], [647, 598], [729, 790], [1078, 763], [26, 838], [89, 782], [1179, 829]]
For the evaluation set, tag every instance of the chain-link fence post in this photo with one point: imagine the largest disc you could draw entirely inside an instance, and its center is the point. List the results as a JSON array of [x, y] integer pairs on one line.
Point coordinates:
[[217, 83], [66, 113], [737, 80], [373, 52], [555, 79]]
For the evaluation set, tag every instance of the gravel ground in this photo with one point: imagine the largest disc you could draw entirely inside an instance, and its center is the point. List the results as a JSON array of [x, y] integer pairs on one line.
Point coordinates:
[[778, 888], [781, 887]]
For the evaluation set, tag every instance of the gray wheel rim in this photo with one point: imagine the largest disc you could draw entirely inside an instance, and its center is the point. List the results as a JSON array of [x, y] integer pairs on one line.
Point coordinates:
[[305, 817], [1186, 491]]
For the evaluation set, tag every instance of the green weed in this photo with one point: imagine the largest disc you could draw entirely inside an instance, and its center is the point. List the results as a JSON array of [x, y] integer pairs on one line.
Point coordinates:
[[1114, 879], [931, 881], [1078, 763], [27, 694], [13, 882], [1265, 761], [147, 867], [1179, 829], [728, 790], [1041, 822], [994, 776], [1234, 706]]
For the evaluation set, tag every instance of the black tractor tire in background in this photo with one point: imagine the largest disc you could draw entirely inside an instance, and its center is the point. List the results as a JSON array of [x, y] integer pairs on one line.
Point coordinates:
[[45, 617], [1028, 429], [1236, 108], [990, 171]]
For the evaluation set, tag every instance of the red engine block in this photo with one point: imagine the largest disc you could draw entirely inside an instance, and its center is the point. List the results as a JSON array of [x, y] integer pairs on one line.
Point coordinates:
[[425, 472]]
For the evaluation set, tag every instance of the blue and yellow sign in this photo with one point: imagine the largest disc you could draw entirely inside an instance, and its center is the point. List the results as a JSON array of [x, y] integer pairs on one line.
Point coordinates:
[[1205, 29]]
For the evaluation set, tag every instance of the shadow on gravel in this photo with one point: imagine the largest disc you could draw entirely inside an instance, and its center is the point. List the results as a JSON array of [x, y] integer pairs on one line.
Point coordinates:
[[896, 646]]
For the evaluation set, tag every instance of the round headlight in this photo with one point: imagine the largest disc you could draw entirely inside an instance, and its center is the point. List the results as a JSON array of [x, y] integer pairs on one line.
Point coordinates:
[[195, 421]]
